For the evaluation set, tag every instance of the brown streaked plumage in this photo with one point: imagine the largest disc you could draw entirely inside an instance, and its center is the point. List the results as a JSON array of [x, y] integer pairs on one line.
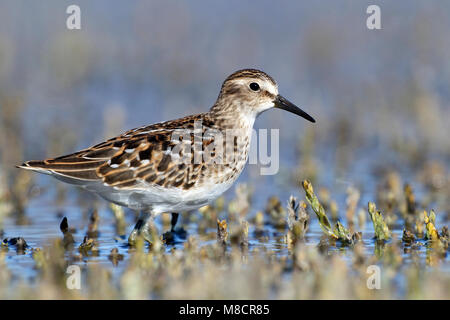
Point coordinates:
[[152, 168]]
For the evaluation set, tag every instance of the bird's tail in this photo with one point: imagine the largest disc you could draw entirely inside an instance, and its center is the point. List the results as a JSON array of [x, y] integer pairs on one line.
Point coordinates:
[[66, 170], [35, 165]]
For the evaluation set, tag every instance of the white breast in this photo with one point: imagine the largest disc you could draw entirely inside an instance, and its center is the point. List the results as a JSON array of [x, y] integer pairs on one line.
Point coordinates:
[[159, 199]]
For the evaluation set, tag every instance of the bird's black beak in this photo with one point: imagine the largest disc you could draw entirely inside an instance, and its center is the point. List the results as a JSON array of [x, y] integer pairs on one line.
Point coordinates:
[[282, 103]]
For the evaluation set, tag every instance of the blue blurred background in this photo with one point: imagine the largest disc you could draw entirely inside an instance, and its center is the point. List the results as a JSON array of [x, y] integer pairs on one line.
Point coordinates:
[[380, 97]]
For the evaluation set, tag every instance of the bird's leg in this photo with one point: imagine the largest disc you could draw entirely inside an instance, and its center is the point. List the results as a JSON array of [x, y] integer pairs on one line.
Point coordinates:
[[169, 236], [173, 221], [141, 228]]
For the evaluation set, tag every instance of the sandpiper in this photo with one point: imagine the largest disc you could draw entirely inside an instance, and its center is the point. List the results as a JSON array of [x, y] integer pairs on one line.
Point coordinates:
[[149, 169]]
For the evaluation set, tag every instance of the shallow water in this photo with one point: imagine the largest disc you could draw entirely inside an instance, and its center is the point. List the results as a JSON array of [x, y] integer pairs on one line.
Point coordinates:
[[45, 216], [45, 219]]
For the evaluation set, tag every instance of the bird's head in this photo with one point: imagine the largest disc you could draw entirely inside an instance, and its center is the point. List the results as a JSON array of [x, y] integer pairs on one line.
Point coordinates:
[[252, 92]]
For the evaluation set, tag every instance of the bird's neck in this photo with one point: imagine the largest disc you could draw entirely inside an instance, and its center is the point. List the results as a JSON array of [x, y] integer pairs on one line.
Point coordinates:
[[232, 116]]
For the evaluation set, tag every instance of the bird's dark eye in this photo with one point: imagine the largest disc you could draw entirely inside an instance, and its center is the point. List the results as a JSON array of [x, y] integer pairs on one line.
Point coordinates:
[[254, 86]]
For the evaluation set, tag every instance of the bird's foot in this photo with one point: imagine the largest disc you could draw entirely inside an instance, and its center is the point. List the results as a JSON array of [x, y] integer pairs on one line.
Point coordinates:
[[142, 229], [174, 235], [144, 233]]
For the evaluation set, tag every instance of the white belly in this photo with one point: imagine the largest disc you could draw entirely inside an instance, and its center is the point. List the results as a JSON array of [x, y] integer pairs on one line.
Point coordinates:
[[159, 199]]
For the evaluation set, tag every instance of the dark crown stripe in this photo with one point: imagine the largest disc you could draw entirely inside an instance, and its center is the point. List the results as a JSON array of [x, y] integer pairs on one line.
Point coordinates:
[[250, 73]]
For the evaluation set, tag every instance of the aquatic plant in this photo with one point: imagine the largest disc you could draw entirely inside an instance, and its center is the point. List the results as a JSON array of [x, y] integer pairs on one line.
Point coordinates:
[[5, 204], [410, 199], [379, 225], [239, 233], [318, 209], [339, 232], [119, 217], [222, 233], [328, 203], [88, 247], [208, 215], [68, 240], [408, 237], [114, 256], [440, 241], [352, 203], [431, 231], [342, 233], [298, 219], [275, 210], [94, 218], [240, 205]]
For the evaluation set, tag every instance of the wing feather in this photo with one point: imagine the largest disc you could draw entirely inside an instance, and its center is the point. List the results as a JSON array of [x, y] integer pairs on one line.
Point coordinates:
[[138, 156]]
